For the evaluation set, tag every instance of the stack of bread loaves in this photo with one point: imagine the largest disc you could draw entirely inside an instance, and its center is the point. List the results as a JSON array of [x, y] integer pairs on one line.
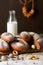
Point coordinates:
[[25, 41]]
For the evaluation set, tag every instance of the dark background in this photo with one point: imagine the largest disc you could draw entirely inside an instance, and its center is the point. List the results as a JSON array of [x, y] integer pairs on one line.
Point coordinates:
[[34, 23]]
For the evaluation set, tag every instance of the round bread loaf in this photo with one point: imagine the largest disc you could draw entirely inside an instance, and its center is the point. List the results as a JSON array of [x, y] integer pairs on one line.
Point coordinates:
[[20, 46], [39, 43], [4, 47], [25, 36], [8, 37]]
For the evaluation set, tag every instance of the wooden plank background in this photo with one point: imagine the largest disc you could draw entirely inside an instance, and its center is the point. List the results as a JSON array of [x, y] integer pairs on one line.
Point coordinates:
[[34, 23]]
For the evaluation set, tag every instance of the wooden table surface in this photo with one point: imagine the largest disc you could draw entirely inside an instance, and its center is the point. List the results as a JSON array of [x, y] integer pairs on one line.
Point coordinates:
[[23, 59]]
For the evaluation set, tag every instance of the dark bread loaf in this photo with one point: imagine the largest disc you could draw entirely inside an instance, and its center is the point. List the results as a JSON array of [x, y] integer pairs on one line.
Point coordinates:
[[25, 36], [8, 37], [39, 43], [20, 46], [37, 40], [4, 47]]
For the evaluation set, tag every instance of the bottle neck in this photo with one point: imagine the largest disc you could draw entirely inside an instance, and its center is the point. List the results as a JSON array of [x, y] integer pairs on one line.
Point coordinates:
[[12, 17]]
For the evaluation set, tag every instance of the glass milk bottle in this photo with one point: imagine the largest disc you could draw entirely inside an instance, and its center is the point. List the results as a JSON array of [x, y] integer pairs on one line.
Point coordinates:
[[12, 25]]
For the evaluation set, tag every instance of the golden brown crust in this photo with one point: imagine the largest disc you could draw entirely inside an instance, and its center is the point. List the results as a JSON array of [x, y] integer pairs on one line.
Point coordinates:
[[4, 47], [20, 46], [25, 36], [36, 43], [8, 37]]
